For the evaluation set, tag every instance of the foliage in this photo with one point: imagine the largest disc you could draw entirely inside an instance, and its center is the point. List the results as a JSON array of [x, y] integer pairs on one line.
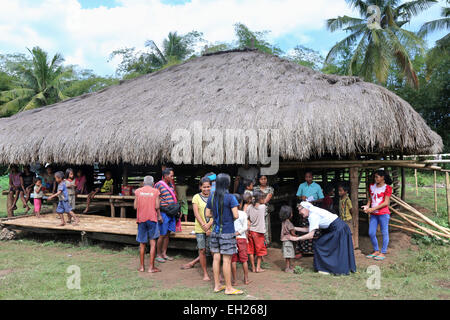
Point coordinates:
[[254, 39], [41, 83], [306, 57], [377, 47], [298, 270], [85, 81]]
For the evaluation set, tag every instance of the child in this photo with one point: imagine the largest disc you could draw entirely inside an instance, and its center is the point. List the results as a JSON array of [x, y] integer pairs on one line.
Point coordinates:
[[49, 180], [327, 202], [80, 182], [28, 182], [345, 206], [378, 208], [287, 236], [240, 226], [247, 199], [106, 189], [248, 184], [38, 195], [15, 188], [181, 190], [63, 197], [256, 242], [70, 184]]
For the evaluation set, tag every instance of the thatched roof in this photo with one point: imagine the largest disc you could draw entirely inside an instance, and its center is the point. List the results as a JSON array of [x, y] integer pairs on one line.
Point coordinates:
[[132, 122]]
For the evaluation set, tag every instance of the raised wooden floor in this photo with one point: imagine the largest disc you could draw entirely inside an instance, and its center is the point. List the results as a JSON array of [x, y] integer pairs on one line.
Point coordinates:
[[122, 230]]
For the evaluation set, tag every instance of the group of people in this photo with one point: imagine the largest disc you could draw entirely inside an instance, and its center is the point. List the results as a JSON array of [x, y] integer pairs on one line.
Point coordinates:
[[232, 227]]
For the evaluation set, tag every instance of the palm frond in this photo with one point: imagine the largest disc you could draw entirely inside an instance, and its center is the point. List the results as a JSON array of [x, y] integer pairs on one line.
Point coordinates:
[[341, 22], [346, 42]]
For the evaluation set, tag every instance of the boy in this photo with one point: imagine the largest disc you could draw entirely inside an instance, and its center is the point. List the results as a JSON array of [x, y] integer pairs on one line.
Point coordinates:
[[345, 206], [327, 202], [146, 203], [106, 189], [63, 197], [248, 184], [240, 226]]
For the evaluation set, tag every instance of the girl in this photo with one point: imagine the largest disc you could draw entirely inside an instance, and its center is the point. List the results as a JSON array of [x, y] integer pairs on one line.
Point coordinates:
[[80, 182], [240, 226], [70, 184], [28, 182], [268, 192], [378, 208], [256, 242], [223, 207], [248, 198], [288, 235], [38, 194], [202, 226]]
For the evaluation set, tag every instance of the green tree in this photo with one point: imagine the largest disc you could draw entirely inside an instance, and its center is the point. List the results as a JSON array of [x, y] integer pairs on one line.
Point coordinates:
[[254, 39], [306, 57], [40, 83], [379, 41], [85, 81]]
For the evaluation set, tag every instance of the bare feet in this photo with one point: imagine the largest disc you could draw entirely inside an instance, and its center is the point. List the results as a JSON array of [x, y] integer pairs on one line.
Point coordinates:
[[289, 270], [153, 270], [260, 270], [28, 209], [233, 282], [141, 269], [85, 210], [187, 266], [62, 224], [206, 278]]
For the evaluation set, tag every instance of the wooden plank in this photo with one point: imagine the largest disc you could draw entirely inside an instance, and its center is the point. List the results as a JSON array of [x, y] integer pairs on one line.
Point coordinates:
[[435, 192], [354, 183], [417, 186]]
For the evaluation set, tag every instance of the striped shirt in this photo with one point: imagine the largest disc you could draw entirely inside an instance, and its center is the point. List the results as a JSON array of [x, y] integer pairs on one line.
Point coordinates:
[[165, 197]]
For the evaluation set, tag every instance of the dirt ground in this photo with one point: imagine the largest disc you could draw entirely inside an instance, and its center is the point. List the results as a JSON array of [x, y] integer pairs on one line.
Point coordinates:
[[269, 283]]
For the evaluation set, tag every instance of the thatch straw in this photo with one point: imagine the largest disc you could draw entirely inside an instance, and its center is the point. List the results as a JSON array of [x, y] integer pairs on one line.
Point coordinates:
[[133, 121]]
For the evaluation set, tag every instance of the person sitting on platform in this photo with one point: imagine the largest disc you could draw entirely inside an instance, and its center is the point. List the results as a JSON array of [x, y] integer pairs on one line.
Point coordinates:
[[106, 189], [80, 183], [146, 203], [63, 197], [49, 180], [15, 188]]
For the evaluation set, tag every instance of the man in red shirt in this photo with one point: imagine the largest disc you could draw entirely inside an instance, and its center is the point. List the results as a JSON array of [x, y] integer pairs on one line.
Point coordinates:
[[148, 215]]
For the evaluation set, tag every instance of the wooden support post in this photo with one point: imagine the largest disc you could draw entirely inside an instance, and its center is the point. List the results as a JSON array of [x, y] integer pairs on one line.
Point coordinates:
[[54, 206], [125, 175], [403, 194], [435, 192], [123, 212], [9, 212], [447, 187], [354, 184], [417, 185], [113, 209]]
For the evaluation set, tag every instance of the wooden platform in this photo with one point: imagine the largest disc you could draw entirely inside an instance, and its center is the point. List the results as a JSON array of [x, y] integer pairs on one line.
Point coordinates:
[[123, 230]]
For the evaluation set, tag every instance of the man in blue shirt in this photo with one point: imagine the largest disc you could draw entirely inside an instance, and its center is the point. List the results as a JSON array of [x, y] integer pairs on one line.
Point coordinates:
[[309, 190]]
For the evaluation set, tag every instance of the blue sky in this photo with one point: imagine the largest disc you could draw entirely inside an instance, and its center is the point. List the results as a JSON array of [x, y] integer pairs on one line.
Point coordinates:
[[87, 31]]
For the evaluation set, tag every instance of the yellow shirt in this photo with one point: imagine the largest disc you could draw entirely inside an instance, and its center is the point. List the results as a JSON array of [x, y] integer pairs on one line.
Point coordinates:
[[201, 204], [345, 205], [107, 186]]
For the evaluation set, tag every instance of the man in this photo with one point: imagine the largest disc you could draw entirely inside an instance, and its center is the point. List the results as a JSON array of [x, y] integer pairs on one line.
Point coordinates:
[[148, 215], [245, 173], [168, 224], [309, 190]]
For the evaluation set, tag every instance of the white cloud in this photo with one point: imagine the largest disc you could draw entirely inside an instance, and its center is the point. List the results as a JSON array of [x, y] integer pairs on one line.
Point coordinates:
[[88, 36]]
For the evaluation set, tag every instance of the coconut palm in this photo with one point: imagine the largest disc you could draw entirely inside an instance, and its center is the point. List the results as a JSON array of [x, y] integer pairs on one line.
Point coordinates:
[[40, 84], [381, 42]]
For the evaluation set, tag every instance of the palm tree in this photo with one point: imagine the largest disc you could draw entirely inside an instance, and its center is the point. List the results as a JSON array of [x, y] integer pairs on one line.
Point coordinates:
[[40, 84], [379, 45]]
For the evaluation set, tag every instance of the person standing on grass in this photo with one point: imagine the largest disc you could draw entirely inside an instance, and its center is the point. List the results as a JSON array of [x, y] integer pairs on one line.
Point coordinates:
[[170, 209], [241, 227], [256, 213], [202, 226], [378, 209], [146, 203], [223, 208], [63, 197]]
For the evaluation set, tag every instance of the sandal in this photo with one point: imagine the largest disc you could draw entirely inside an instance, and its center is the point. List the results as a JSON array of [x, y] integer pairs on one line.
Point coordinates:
[[168, 258], [370, 256], [161, 260], [221, 289], [378, 258], [235, 292]]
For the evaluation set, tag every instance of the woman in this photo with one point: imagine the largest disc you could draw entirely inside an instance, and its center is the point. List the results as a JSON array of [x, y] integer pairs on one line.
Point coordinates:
[[378, 208], [268, 192], [223, 208], [333, 251]]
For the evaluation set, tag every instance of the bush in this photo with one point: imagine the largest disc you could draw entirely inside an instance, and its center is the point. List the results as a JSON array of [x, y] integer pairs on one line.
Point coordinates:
[[298, 270]]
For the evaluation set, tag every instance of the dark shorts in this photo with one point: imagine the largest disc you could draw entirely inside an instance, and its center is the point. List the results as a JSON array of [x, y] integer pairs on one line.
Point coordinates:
[[256, 244], [241, 255], [63, 207], [168, 224], [15, 188], [202, 241], [224, 243], [147, 231]]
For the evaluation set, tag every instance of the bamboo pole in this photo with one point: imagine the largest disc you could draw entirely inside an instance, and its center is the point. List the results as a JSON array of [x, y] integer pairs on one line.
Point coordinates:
[[435, 192], [408, 229], [447, 188], [427, 231], [409, 217], [417, 213], [403, 191], [354, 184], [415, 178]]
